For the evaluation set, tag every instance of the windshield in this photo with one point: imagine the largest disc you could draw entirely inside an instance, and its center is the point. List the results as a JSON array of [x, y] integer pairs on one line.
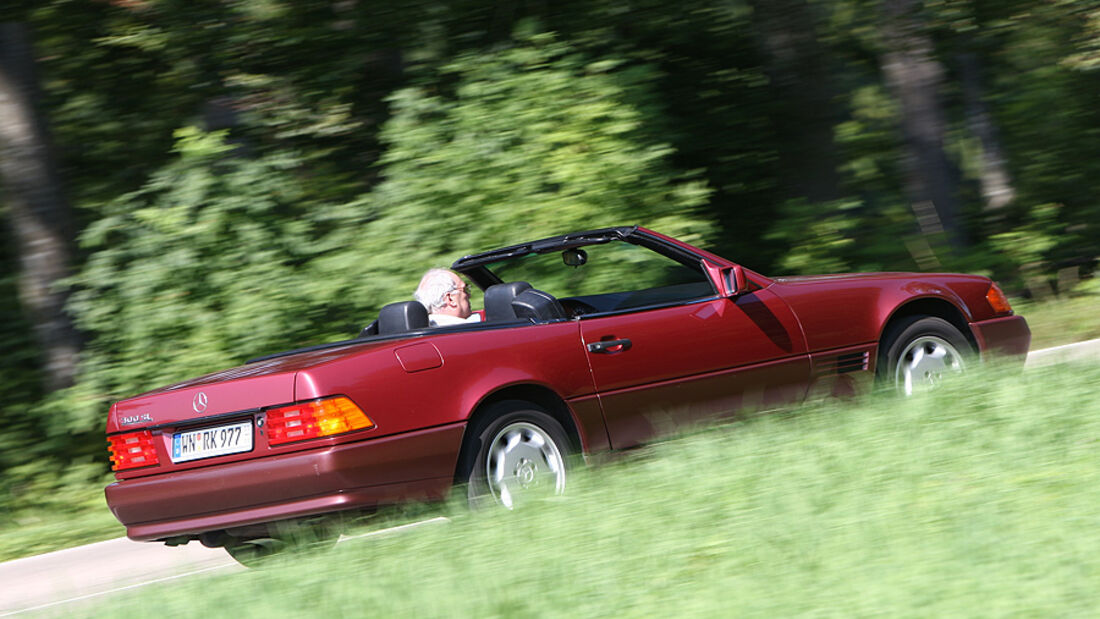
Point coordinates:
[[619, 274]]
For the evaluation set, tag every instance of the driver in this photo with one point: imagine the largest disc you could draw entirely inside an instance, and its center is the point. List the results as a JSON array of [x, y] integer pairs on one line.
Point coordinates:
[[446, 297]]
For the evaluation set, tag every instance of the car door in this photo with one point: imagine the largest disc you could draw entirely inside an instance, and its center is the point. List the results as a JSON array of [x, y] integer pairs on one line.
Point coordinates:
[[665, 369]]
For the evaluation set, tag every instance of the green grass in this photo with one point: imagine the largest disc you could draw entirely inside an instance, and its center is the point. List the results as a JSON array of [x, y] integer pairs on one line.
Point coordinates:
[[1063, 320], [982, 499], [56, 516]]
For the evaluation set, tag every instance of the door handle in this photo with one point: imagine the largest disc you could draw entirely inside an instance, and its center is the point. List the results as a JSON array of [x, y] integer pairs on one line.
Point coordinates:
[[609, 346]]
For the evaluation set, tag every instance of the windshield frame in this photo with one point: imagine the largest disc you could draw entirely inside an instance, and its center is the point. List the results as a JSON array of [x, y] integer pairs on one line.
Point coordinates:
[[475, 266]]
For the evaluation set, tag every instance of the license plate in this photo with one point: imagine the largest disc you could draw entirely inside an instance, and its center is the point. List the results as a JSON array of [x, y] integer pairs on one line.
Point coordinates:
[[209, 442]]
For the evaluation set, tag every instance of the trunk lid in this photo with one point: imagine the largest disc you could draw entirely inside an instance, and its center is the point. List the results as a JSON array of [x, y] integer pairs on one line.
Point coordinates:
[[211, 396], [242, 389], [216, 418]]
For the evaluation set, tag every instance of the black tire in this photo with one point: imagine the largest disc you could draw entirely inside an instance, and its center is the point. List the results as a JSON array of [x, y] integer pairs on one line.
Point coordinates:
[[310, 534], [253, 553], [537, 462], [918, 351]]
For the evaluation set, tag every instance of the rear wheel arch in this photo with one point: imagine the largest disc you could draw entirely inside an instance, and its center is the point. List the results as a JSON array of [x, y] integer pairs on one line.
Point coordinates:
[[540, 397]]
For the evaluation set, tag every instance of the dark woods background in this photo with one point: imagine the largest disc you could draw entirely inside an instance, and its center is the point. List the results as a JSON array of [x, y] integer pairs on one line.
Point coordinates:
[[188, 183]]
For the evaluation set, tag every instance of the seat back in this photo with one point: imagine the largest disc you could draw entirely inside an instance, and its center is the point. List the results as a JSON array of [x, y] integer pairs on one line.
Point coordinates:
[[538, 306], [369, 330], [498, 300], [401, 317]]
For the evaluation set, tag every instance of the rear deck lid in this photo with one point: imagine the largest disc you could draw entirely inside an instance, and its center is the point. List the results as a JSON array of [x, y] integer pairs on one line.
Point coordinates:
[[237, 390]]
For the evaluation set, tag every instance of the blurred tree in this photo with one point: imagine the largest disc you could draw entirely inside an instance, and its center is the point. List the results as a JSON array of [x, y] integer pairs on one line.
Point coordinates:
[[208, 258], [1050, 126], [20, 367], [1086, 56], [527, 141], [803, 110], [38, 212], [916, 75]]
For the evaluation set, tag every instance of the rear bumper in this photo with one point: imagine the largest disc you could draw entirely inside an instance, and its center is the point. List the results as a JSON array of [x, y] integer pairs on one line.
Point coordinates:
[[1006, 337], [417, 465]]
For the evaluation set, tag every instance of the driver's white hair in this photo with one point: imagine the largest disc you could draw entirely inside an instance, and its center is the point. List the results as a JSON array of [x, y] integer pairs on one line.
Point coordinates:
[[433, 287]]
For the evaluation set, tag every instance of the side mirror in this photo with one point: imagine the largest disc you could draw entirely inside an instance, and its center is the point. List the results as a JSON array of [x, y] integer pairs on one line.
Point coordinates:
[[730, 280], [734, 279]]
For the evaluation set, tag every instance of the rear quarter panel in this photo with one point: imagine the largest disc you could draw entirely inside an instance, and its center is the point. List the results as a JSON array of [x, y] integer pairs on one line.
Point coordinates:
[[441, 379]]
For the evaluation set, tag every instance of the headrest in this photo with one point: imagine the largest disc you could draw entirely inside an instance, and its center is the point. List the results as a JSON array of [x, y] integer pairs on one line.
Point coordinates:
[[538, 306], [369, 330], [401, 317], [498, 300]]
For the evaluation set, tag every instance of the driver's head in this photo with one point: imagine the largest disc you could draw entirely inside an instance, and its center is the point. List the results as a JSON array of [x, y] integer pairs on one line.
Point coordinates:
[[443, 292]]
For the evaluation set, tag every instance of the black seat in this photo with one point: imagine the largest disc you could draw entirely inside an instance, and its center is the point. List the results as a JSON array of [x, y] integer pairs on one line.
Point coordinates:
[[401, 317], [538, 306], [369, 330], [498, 300]]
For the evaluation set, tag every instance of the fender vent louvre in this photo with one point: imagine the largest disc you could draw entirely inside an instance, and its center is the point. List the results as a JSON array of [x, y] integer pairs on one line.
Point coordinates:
[[842, 364]]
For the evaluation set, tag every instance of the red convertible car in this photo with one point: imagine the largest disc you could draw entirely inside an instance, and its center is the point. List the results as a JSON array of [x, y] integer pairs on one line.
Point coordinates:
[[591, 341]]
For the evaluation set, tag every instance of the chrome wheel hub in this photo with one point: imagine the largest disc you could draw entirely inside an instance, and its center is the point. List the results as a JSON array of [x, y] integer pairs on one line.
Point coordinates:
[[925, 362], [523, 460]]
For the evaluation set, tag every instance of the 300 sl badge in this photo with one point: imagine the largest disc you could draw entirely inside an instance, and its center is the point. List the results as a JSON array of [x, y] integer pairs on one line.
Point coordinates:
[[132, 419]]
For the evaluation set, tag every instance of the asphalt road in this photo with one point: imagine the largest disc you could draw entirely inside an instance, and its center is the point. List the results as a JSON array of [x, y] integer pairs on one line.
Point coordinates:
[[1081, 351], [81, 575]]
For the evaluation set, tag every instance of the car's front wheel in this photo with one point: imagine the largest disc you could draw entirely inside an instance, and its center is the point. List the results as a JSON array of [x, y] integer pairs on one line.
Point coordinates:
[[920, 352], [516, 452]]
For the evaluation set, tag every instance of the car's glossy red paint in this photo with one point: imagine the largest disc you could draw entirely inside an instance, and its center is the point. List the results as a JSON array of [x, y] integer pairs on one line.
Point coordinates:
[[417, 465], [763, 347]]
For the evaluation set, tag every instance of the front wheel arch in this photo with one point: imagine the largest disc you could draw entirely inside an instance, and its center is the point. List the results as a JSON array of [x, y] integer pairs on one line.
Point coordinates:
[[935, 307]]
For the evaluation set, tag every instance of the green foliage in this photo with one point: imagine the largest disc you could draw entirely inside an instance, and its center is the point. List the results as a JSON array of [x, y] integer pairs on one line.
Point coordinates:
[[821, 237], [1087, 55], [1027, 245], [202, 267], [19, 379], [49, 508], [1051, 130], [526, 142], [871, 230], [1069, 318]]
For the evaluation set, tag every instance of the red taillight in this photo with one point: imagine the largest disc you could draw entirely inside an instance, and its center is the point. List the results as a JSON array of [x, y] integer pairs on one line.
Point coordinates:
[[997, 300], [315, 419], [133, 450]]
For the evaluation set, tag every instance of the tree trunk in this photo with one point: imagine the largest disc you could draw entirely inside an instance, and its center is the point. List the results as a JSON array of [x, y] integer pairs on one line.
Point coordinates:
[[803, 115], [996, 182], [914, 75], [39, 216]]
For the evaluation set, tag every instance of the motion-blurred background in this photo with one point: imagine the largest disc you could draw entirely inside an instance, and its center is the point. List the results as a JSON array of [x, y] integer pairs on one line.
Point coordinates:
[[189, 183]]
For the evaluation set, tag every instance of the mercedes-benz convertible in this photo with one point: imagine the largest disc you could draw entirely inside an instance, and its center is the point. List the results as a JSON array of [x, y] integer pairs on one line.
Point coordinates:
[[589, 342]]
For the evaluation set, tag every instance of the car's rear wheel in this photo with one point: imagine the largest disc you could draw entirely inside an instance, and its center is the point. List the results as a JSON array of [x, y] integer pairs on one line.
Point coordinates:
[[515, 453], [253, 552], [920, 352]]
